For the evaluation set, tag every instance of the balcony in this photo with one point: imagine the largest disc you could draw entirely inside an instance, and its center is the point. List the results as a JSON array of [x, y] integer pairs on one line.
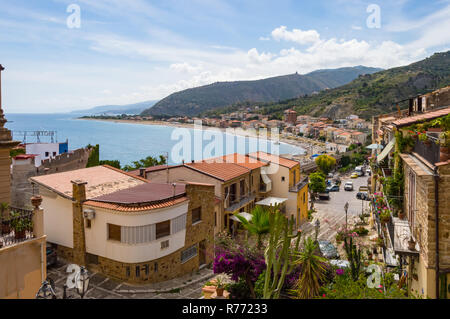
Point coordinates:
[[428, 150], [239, 204], [16, 226], [299, 186]]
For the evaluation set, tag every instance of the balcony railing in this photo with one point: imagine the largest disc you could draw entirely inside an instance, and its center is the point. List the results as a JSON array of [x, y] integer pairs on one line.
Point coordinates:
[[299, 186], [244, 201], [16, 225], [429, 150]]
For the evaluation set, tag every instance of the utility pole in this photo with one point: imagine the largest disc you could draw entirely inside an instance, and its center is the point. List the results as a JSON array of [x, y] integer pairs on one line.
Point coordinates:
[[346, 209]]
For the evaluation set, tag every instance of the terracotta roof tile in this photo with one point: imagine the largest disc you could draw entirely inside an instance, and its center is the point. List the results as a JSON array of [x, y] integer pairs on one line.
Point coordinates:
[[274, 159], [222, 171], [136, 208], [421, 117], [239, 159], [100, 180]]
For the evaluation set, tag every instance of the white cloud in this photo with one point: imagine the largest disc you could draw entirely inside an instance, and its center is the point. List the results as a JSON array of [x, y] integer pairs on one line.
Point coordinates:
[[356, 27], [296, 35], [264, 38], [185, 68]]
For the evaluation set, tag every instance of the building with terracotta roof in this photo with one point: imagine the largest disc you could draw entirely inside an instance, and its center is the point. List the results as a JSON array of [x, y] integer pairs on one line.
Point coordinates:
[[237, 179], [127, 227], [286, 182], [290, 116]]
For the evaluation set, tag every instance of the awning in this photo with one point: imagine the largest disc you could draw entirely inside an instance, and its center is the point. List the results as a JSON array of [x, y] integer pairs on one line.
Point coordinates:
[[247, 216], [271, 201], [375, 147], [386, 151]]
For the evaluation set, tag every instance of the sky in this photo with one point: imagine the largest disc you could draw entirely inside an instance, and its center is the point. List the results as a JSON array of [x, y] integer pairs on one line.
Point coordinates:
[[64, 55]]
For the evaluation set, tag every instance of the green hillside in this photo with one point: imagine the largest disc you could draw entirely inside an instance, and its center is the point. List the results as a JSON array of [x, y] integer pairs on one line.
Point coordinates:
[[372, 94], [221, 94]]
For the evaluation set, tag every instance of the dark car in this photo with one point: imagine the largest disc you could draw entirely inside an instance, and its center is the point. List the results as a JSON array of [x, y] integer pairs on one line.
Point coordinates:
[[328, 250], [324, 196], [333, 188], [52, 258], [363, 196]]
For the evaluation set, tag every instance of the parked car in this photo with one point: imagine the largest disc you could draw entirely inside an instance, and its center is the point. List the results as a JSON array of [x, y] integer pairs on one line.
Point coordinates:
[[348, 186], [324, 196], [328, 250], [332, 188], [52, 257], [354, 175], [359, 170]]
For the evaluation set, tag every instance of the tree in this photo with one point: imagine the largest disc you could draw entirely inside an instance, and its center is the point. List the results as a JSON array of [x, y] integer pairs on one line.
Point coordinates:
[[258, 225], [149, 161], [345, 161], [325, 163], [94, 157], [312, 273], [317, 182], [113, 163]]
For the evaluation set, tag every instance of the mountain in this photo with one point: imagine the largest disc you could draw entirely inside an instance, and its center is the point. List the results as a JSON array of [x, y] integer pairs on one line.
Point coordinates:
[[136, 108], [221, 94], [372, 94]]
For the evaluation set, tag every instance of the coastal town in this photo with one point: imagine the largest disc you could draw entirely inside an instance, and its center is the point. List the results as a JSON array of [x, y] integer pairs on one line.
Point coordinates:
[[209, 159], [179, 231]]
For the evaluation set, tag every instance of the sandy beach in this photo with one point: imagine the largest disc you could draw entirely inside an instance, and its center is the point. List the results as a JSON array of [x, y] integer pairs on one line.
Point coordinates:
[[310, 146]]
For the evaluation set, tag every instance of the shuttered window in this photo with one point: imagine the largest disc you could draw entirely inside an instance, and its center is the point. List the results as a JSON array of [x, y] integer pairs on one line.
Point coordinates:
[[163, 229], [114, 232], [133, 235], [196, 215], [188, 254]]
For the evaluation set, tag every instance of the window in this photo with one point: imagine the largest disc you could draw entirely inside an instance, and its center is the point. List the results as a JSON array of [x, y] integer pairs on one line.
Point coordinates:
[[295, 177], [196, 215], [156, 267], [146, 269], [114, 232], [188, 254], [242, 188], [88, 223], [165, 244], [47, 154], [283, 179], [138, 271], [304, 198], [128, 271], [54, 153], [163, 229]]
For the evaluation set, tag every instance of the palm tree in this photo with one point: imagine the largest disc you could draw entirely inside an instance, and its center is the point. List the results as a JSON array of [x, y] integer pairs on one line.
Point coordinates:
[[312, 271], [258, 225]]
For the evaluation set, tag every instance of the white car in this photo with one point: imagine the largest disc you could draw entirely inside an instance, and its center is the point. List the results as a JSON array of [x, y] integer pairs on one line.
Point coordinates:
[[348, 186]]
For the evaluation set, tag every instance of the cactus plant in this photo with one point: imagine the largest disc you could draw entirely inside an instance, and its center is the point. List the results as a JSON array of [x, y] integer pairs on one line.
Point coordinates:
[[278, 253], [354, 256]]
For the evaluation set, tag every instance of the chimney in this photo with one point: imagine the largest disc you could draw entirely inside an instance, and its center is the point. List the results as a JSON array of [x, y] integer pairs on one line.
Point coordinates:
[[79, 190], [142, 172]]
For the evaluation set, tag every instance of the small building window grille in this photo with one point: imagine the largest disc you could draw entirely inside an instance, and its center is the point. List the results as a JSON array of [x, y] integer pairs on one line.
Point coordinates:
[[188, 254]]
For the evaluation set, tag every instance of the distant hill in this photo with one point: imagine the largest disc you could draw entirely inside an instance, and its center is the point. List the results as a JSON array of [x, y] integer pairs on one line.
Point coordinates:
[[218, 95], [372, 94], [136, 108]]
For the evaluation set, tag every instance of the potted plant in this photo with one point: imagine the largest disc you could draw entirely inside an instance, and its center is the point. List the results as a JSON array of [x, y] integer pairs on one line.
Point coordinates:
[[20, 225], [424, 138], [221, 281], [444, 150]]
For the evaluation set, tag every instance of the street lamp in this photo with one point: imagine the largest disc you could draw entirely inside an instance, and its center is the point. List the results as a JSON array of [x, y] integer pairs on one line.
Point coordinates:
[[83, 282], [346, 209], [46, 291], [317, 226]]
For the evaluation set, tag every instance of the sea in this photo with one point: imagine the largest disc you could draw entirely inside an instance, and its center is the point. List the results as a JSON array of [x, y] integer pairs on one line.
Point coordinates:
[[128, 142]]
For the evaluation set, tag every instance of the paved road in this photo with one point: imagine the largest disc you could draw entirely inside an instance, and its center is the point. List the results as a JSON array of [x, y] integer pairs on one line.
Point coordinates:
[[333, 209], [101, 287]]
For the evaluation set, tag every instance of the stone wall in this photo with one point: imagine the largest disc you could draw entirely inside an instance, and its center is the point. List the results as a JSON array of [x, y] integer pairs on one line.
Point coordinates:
[[21, 189]]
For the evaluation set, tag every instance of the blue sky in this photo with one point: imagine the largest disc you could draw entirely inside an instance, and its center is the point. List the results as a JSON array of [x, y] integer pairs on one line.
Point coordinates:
[[128, 51]]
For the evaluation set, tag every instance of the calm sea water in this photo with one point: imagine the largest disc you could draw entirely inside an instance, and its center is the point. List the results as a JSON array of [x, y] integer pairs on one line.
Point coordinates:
[[130, 142]]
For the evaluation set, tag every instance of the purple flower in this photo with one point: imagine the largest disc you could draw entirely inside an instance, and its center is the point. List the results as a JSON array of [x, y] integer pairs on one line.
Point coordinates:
[[339, 272]]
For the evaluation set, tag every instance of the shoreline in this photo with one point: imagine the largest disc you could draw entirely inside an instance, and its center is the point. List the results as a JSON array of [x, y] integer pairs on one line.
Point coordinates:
[[305, 145]]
